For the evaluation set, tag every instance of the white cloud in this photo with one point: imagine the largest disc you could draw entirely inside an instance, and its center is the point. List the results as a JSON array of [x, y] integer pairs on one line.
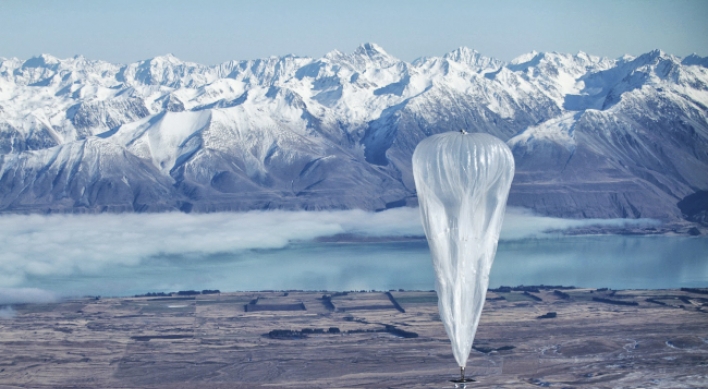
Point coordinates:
[[26, 295], [37, 245], [520, 223], [40, 246], [7, 313]]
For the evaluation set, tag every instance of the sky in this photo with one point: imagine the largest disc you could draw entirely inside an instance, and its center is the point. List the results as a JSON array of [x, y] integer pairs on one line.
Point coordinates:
[[211, 32]]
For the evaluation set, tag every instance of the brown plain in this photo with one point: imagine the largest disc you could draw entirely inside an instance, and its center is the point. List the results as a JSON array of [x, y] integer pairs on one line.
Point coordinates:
[[214, 341]]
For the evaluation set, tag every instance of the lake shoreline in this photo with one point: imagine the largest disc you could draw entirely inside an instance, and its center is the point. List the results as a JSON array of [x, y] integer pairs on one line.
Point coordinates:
[[673, 229], [190, 295], [591, 261]]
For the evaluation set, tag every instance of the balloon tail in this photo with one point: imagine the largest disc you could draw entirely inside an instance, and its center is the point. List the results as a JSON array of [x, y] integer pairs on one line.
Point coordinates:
[[462, 382]]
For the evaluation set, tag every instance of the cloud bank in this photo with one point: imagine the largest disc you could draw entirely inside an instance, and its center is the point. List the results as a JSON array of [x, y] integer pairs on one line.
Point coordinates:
[[520, 223], [36, 246], [26, 295], [7, 313]]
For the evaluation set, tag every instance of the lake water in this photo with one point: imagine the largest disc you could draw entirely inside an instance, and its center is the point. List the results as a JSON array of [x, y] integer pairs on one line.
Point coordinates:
[[618, 262]]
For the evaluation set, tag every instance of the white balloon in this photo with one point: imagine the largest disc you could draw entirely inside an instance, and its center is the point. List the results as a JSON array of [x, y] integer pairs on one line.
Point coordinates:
[[463, 183]]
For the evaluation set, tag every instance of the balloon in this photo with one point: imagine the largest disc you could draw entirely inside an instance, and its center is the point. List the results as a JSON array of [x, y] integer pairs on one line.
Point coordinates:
[[463, 183]]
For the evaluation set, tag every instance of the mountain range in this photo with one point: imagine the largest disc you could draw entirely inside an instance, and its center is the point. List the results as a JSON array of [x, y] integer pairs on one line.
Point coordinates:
[[592, 137]]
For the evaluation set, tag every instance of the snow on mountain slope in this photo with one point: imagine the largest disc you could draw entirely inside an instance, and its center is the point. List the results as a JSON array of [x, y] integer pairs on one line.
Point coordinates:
[[592, 137], [640, 143], [89, 175], [164, 138], [558, 131]]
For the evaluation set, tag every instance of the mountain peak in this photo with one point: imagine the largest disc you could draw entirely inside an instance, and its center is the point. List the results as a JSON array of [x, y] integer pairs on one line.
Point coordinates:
[[169, 58], [525, 61], [655, 54], [582, 55], [372, 50], [462, 54], [695, 59], [42, 60], [334, 54], [373, 54], [654, 57], [473, 59], [523, 58], [48, 58]]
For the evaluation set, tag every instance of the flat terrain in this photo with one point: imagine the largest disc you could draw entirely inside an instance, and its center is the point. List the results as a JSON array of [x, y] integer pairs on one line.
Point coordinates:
[[357, 340]]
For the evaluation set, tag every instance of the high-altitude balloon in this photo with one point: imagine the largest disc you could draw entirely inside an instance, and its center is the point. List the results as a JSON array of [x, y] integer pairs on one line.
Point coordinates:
[[463, 182]]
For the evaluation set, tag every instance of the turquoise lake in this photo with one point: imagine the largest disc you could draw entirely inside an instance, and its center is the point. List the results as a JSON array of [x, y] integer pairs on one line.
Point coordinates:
[[613, 261]]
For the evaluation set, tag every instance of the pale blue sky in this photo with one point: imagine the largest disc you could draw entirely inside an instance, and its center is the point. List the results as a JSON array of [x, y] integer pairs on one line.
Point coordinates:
[[216, 31]]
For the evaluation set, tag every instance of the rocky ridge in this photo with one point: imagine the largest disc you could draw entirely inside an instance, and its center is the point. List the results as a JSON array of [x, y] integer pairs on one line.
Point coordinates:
[[592, 137]]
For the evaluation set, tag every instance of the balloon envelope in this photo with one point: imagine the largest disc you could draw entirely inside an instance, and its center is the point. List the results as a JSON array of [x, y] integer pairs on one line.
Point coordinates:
[[463, 183]]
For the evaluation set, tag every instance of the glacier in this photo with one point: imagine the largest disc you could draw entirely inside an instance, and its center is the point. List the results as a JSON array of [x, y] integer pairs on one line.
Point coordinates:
[[592, 137]]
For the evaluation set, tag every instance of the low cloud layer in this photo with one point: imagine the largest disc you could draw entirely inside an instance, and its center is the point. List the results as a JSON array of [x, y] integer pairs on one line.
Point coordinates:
[[520, 223], [41, 246], [37, 246], [6, 313], [26, 295]]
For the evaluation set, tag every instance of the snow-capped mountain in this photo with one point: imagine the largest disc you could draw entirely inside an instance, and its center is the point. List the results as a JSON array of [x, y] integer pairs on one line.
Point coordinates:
[[592, 137]]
